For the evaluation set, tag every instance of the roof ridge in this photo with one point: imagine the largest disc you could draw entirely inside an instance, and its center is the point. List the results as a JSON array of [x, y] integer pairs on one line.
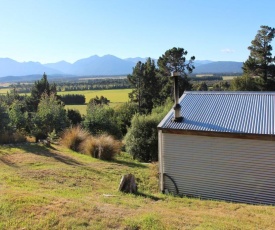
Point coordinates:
[[232, 92]]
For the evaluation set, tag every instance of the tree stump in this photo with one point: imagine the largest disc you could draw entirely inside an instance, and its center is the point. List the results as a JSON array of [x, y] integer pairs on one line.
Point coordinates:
[[128, 184]]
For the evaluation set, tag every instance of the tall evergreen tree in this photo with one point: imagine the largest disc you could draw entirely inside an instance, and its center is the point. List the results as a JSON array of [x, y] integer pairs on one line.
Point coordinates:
[[260, 62], [145, 85], [40, 87], [174, 60]]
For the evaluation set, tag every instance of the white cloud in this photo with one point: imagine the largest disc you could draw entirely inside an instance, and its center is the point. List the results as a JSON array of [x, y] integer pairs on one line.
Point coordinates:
[[227, 50]]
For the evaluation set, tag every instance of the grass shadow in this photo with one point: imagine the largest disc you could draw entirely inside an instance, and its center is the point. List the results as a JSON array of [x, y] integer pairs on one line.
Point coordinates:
[[46, 151], [8, 162], [129, 164]]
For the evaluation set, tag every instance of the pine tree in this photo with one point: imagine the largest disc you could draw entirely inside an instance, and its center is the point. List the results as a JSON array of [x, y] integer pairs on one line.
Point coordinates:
[[145, 85], [40, 87], [174, 60], [260, 62]]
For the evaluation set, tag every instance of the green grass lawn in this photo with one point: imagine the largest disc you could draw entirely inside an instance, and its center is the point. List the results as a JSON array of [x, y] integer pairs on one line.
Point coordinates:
[[55, 188]]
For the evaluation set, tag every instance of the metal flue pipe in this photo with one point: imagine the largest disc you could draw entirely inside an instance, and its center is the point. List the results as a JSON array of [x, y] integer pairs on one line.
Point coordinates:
[[177, 107]]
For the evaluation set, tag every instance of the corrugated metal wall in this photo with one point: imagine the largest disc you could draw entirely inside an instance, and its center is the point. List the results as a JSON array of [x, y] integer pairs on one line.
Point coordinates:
[[229, 169]]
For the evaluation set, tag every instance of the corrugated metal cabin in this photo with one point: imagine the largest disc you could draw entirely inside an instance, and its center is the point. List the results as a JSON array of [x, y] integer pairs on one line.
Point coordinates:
[[223, 149]]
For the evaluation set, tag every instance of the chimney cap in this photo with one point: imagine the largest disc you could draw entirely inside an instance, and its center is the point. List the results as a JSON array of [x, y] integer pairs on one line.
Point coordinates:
[[175, 74]]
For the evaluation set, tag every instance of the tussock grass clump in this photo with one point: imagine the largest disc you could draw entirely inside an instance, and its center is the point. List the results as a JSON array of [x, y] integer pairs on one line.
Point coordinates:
[[107, 147], [88, 146], [104, 147], [73, 137]]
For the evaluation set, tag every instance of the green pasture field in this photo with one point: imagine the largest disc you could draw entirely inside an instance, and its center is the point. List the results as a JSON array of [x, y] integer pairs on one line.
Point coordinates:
[[56, 188], [204, 75], [114, 95], [81, 108], [4, 90], [228, 78]]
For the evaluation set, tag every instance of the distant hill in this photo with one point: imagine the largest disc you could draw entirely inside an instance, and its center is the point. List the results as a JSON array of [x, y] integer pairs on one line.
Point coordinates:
[[9, 67], [62, 66], [34, 77], [106, 65], [220, 67], [201, 62], [96, 66], [137, 59]]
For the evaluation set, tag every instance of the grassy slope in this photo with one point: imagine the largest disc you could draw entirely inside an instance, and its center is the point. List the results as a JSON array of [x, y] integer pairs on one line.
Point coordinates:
[[54, 188]]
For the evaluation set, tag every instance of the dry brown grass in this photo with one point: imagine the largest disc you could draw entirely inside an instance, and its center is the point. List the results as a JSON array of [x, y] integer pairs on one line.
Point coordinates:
[[73, 137], [104, 147], [88, 146]]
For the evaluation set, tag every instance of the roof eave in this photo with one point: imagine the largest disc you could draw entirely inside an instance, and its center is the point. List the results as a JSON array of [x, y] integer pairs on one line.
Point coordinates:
[[267, 137]]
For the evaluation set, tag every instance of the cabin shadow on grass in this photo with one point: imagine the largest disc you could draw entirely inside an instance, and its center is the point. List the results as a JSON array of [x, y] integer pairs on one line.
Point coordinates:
[[48, 152], [151, 197], [129, 164]]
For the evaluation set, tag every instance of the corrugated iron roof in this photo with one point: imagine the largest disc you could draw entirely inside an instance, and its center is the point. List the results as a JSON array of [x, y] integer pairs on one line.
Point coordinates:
[[233, 112]]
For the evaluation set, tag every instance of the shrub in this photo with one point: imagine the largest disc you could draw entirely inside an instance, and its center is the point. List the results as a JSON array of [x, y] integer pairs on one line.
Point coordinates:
[[142, 137], [4, 117], [18, 118], [74, 116], [12, 137], [73, 137], [104, 147], [50, 116], [100, 120], [124, 114]]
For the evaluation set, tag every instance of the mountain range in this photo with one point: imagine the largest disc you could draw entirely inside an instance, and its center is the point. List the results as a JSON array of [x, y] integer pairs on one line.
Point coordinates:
[[95, 65]]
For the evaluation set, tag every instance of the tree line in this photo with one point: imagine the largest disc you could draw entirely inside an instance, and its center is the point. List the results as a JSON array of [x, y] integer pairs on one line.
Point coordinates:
[[73, 99], [42, 113], [91, 84]]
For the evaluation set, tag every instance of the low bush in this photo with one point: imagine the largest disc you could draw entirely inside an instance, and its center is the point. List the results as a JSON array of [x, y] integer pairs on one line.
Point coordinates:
[[101, 120], [141, 140], [73, 137]]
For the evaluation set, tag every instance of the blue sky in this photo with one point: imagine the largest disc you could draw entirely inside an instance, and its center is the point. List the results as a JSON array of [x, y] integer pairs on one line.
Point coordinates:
[[54, 30]]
